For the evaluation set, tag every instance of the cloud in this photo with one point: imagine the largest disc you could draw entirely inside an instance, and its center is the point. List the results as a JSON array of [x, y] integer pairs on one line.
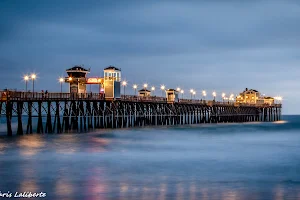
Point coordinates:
[[208, 45]]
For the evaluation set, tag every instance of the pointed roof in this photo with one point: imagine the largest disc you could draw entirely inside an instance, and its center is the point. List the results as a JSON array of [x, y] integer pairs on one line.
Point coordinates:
[[268, 98], [144, 90], [172, 90], [110, 67], [249, 90], [78, 69]]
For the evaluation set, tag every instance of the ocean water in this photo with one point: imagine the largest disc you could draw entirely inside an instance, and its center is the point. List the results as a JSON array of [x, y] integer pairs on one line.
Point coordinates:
[[214, 161]]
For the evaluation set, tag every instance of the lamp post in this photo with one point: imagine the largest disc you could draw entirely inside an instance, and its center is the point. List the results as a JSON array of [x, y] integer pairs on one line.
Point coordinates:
[[153, 89], [33, 77], [280, 100], [214, 95], [134, 87], [194, 93], [124, 83], [204, 94], [61, 80], [223, 96], [26, 78], [145, 86], [231, 97], [182, 91], [162, 90], [178, 89], [191, 93], [70, 84]]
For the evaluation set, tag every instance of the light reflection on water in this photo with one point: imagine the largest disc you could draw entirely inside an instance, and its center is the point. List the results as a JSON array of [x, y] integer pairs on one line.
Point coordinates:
[[254, 161], [30, 147]]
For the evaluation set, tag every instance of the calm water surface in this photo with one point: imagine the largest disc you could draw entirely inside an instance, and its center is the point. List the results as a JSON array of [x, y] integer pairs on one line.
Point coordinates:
[[224, 161]]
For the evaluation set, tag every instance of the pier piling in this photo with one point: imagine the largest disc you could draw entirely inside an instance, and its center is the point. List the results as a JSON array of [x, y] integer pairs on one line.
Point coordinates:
[[57, 115]]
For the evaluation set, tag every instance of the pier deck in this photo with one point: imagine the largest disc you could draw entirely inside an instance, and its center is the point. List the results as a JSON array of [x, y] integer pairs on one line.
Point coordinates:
[[63, 112]]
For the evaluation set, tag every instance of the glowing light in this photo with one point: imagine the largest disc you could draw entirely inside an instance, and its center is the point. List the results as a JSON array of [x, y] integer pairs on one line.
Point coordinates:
[[223, 95], [94, 80], [70, 78], [145, 85], [124, 83], [134, 86], [278, 98], [61, 80], [26, 78], [163, 87], [33, 76], [194, 92], [178, 89], [191, 90], [153, 88], [182, 91], [214, 94]]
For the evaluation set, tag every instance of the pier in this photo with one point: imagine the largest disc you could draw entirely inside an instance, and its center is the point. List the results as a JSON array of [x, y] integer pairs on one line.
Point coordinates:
[[78, 110], [66, 112]]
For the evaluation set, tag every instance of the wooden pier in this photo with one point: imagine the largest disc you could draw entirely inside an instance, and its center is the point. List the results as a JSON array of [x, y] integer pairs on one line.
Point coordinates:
[[62, 112]]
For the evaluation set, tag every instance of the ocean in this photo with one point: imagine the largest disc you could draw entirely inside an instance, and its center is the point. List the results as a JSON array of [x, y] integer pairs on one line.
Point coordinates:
[[208, 161]]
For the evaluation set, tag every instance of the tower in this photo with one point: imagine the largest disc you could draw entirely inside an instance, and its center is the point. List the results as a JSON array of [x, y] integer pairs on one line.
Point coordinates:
[[172, 95], [112, 82], [77, 79]]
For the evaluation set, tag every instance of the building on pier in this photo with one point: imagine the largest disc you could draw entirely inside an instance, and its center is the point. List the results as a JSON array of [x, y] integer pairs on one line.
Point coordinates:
[[251, 96], [144, 93], [77, 79], [112, 82], [172, 95], [266, 100]]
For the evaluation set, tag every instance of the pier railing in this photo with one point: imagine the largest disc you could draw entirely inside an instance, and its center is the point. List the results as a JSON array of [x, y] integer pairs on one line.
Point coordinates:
[[135, 98], [16, 96], [11, 95]]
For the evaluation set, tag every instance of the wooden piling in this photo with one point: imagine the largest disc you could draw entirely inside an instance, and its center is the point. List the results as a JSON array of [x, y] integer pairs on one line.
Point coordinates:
[[81, 115]]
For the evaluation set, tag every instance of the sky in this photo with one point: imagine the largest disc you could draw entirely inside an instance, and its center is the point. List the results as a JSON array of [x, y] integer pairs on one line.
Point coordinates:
[[213, 45]]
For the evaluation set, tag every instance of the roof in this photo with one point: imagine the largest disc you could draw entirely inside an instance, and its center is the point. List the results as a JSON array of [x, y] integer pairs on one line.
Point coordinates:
[[144, 90], [172, 90], [77, 68], [251, 90], [110, 67]]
